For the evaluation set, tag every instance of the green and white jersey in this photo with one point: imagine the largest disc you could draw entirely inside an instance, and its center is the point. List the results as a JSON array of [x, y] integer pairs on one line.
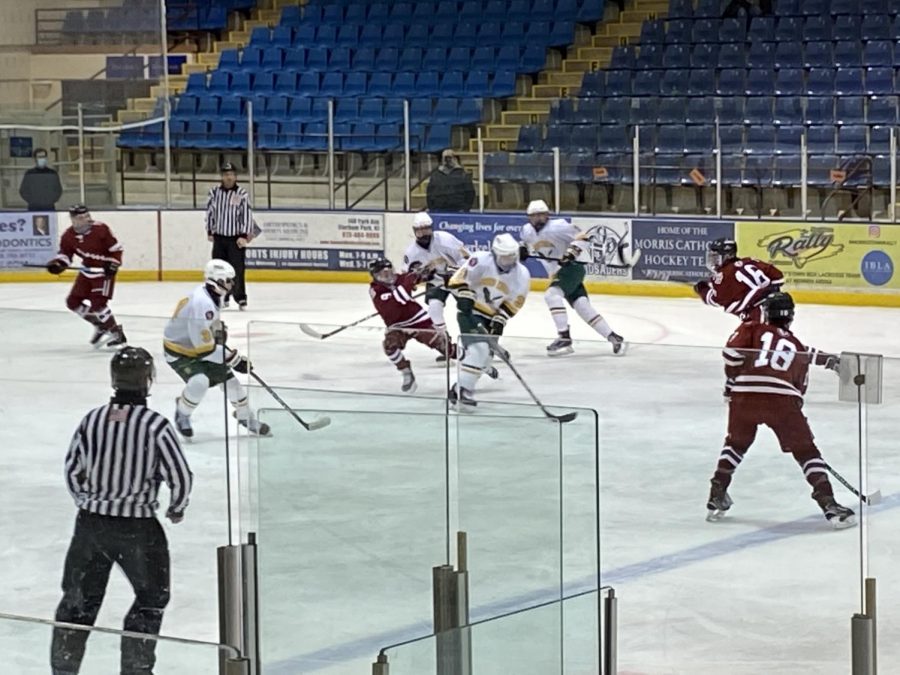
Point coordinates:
[[553, 240], [494, 290], [445, 251], [191, 330]]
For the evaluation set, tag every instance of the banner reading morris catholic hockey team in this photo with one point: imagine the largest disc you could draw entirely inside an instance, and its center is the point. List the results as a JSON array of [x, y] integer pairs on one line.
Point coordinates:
[[477, 230], [676, 248], [27, 238], [316, 241], [836, 254]]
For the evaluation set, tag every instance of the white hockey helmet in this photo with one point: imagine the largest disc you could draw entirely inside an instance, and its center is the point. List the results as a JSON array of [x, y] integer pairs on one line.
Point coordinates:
[[537, 206], [219, 274], [506, 251], [422, 219]]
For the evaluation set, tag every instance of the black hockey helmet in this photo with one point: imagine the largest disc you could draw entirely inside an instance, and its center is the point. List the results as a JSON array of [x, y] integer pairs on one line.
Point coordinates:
[[78, 210], [132, 371], [720, 252], [376, 267], [778, 309]]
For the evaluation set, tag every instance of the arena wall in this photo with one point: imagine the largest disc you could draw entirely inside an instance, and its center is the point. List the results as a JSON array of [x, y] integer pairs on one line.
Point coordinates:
[[828, 263]]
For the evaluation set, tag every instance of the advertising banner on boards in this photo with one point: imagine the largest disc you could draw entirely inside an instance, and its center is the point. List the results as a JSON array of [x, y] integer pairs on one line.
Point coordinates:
[[826, 255], [316, 241], [675, 248], [27, 238]]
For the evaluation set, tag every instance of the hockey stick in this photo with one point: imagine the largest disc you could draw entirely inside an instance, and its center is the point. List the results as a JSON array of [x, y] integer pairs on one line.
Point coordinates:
[[504, 356], [313, 333], [541, 256], [44, 267], [309, 426], [871, 499]]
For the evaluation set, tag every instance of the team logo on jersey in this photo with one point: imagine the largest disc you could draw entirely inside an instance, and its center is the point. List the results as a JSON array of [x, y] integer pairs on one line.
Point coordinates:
[[800, 246]]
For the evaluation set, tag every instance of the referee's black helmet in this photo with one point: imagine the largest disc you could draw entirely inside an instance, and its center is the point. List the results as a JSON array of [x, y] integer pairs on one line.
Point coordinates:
[[132, 370]]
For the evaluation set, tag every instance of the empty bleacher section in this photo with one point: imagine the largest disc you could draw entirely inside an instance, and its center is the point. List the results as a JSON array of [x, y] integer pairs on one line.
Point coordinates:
[[448, 58], [826, 69]]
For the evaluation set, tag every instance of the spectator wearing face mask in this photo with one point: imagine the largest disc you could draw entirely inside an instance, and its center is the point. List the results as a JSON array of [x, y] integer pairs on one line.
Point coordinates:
[[40, 187], [450, 188]]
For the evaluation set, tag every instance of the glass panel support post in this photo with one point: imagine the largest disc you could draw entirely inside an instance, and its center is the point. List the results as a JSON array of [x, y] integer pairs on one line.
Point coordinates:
[[610, 633], [331, 154], [451, 615], [480, 172], [636, 169], [556, 180], [239, 605], [862, 641], [251, 155], [804, 177]]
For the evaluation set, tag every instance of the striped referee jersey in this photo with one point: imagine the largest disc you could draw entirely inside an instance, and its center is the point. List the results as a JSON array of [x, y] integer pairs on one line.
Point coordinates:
[[228, 212], [119, 455]]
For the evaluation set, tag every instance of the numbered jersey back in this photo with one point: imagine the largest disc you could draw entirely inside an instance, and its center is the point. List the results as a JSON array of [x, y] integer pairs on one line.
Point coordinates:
[[741, 285], [766, 359]]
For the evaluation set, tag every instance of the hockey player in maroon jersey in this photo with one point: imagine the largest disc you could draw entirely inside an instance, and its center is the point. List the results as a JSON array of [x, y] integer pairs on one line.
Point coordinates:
[[767, 370], [738, 285], [101, 256]]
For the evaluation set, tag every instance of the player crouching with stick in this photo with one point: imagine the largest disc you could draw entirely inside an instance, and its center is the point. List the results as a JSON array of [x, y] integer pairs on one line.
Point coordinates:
[[406, 319]]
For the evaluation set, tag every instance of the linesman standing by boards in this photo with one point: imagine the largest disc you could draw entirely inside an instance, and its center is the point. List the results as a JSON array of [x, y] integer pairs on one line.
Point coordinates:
[[229, 226], [119, 455]]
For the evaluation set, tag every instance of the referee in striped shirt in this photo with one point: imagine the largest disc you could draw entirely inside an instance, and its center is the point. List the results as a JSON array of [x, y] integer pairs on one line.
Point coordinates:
[[229, 226], [118, 456]]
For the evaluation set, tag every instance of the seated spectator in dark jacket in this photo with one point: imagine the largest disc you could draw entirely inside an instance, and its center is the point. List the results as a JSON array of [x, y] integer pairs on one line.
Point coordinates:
[[40, 186], [450, 187]]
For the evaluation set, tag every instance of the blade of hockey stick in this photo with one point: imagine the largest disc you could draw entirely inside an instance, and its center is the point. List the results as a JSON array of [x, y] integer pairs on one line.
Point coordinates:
[[320, 423], [567, 417], [306, 328], [309, 426]]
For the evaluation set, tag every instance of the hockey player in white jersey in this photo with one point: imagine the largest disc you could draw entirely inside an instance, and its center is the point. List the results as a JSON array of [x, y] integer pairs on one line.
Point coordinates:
[[194, 344], [557, 238], [443, 253], [490, 289]]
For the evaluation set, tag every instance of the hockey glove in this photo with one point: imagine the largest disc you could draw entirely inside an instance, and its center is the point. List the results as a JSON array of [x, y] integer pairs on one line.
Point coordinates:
[[56, 267], [175, 517], [494, 342], [832, 362], [570, 256], [239, 364], [497, 324], [701, 288], [111, 268], [523, 253]]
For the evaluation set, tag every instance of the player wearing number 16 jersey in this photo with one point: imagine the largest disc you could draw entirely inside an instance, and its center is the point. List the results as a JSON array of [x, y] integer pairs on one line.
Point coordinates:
[[767, 369], [738, 285]]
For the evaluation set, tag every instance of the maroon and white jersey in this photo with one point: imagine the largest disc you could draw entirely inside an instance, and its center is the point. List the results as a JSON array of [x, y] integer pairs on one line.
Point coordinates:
[[739, 286], [96, 247], [395, 303], [764, 359]]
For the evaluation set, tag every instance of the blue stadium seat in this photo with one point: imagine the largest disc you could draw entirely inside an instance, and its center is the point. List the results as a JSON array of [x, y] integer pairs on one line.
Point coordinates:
[[264, 83], [446, 10], [672, 110], [560, 136], [197, 83], [819, 110], [356, 14], [650, 56], [332, 13], [530, 138], [758, 110], [759, 83], [616, 111], [670, 139], [875, 27], [428, 83], [460, 58], [818, 55], [537, 31], [789, 82], [704, 56], [814, 7], [195, 134], [251, 58], [672, 83], [452, 84], [699, 139], [878, 7], [221, 136], [304, 35], [420, 110], [820, 82], [587, 111], [411, 59], [309, 84], [788, 111], [295, 59], [732, 30], [762, 29], [589, 11], [761, 55], [623, 58], [312, 138], [611, 139], [370, 36], [276, 108], [481, 58], [387, 60], [363, 59], [471, 10], [675, 56], [355, 84], [851, 139], [496, 166], [705, 31], [847, 28], [332, 85], [532, 60], [701, 82], [731, 110], [268, 136], [228, 60], [478, 84], [760, 139], [273, 59], [758, 170], [230, 109], [847, 54], [394, 34], [787, 171], [652, 32], [700, 110], [286, 82], [446, 110], [339, 59], [881, 110], [680, 9], [708, 9], [678, 31], [503, 84], [618, 82], [817, 29], [240, 83], [470, 111], [789, 55], [442, 34], [820, 169], [733, 56], [879, 81], [789, 29], [878, 53], [849, 110], [839, 7], [290, 15], [186, 106], [326, 36], [879, 140], [371, 110], [282, 36], [820, 140], [849, 81], [317, 58], [438, 138], [646, 83], [646, 111], [346, 109], [347, 36], [300, 107], [435, 58], [466, 35], [787, 139], [562, 34]]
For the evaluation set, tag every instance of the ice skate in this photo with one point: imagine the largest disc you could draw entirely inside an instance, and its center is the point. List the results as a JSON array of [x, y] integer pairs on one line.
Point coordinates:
[[409, 385], [99, 337], [118, 338], [242, 305], [719, 502], [839, 516], [492, 372], [560, 346], [183, 423], [255, 427], [461, 399], [618, 344]]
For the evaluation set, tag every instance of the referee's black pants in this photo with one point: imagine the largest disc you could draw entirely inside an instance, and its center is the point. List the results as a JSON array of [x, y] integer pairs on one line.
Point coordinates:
[[139, 547], [227, 249]]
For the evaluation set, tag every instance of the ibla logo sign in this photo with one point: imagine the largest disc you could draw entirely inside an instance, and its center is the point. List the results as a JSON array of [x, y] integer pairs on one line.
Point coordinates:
[[801, 245]]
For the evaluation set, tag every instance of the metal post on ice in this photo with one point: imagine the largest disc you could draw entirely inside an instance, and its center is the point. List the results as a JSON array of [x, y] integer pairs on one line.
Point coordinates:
[[331, 154], [480, 172], [804, 177], [167, 104], [81, 152], [407, 159], [251, 154], [556, 176], [718, 172], [892, 209]]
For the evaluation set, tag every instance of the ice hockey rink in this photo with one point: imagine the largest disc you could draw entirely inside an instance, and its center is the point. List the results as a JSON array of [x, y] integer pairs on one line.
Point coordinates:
[[770, 589]]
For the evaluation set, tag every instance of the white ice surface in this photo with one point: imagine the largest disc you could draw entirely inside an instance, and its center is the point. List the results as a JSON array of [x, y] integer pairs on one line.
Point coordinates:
[[350, 526]]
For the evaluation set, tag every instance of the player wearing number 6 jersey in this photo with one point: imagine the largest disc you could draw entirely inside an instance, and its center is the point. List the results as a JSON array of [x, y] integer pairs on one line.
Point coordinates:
[[404, 317], [767, 370], [738, 285]]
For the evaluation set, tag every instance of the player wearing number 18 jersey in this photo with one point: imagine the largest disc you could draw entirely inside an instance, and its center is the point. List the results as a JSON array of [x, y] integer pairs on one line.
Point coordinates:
[[738, 285], [767, 369]]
